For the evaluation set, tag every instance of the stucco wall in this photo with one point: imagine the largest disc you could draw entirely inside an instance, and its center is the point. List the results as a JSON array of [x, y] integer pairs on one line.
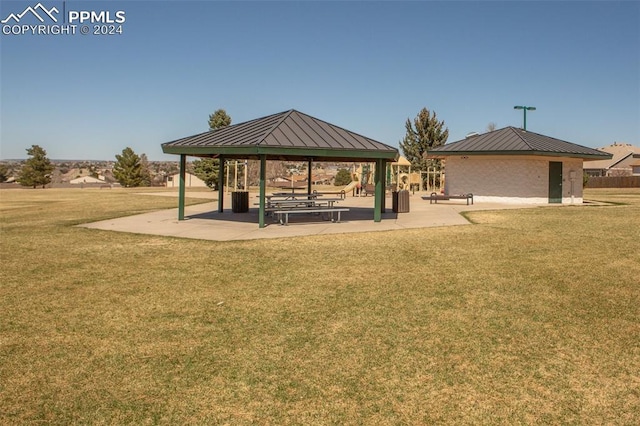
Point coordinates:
[[190, 181], [511, 179]]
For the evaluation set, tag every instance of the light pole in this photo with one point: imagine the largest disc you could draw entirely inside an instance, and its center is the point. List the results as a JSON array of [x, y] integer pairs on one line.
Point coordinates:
[[525, 108]]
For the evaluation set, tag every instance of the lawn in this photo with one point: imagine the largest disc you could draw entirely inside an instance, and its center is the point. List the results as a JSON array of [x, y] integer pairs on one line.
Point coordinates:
[[526, 316]]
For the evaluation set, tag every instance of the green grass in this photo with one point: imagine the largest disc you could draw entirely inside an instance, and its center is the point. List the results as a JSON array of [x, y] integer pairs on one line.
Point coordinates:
[[527, 316]]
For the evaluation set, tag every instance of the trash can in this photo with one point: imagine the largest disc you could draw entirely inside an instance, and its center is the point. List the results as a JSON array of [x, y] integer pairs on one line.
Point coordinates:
[[400, 201], [240, 201]]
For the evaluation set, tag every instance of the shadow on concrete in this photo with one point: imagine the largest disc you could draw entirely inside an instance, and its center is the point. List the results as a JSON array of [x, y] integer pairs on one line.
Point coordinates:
[[354, 214]]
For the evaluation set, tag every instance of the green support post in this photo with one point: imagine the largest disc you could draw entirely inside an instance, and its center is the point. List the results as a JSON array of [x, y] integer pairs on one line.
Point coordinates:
[[309, 164], [383, 166], [379, 191], [263, 179], [181, 187], [221, 185]]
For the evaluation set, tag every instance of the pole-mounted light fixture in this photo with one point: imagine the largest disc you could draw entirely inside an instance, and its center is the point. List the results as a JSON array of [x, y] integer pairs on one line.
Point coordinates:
[[525, 109]]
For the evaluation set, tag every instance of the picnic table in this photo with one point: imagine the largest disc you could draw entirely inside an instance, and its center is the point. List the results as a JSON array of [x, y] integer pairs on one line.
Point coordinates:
[[293, 189], [283, 206], [292, 195], [330, 212], [311, 202], [273, 202], [341, 193]]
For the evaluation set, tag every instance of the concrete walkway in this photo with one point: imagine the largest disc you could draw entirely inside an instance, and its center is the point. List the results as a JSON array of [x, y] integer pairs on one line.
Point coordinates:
[[203, 221]]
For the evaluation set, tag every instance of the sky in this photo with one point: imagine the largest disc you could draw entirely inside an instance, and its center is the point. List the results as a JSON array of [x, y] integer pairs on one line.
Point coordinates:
[[363, 65]]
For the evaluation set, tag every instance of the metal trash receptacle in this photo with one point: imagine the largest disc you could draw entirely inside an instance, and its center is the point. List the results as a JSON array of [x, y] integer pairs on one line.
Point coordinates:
[[240, 201], [400, 201]]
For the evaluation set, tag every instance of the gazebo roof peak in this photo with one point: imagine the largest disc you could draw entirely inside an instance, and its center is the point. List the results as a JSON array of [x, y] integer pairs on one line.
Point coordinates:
[[287, 135]]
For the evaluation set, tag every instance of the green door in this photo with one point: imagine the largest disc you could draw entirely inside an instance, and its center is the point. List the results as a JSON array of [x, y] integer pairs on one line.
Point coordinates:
[[555, 182]]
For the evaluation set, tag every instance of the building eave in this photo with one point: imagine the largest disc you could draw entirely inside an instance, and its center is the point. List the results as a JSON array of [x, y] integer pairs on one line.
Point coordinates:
[[282, 153], [587, 157]]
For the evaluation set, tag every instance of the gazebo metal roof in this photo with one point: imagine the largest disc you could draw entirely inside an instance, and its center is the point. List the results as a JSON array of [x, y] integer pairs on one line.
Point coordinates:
[[514, 141], [288, 135]]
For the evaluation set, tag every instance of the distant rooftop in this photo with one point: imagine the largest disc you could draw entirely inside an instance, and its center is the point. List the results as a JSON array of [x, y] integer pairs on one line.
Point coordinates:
[[620, 151]]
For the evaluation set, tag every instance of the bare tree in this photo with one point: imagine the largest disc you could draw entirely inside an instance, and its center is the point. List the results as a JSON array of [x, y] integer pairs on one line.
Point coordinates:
[[491, 126], [276, 169], [253, 172]]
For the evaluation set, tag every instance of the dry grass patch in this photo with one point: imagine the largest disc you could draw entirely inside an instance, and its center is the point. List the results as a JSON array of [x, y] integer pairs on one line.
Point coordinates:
[[530, 316]]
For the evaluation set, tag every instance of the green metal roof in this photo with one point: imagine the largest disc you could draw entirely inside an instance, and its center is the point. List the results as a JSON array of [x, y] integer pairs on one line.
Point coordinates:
[[514, 141], [289, 135]]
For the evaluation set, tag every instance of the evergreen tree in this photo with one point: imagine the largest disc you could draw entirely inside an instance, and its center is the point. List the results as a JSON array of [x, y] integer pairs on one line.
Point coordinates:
[[4, 173], [207, 168], [424, 134], [37, 169], [146, 170], [219, 119], [343, 177], [128, 170]]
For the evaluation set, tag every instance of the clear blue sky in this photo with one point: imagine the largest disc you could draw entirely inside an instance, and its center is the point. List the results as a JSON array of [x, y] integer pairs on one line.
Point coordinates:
[[366, 66]]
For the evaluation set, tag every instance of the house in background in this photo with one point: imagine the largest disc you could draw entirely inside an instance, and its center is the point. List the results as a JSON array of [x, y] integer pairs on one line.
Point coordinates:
[[86, 179], [625, 161], [512, 165], [190, 181]]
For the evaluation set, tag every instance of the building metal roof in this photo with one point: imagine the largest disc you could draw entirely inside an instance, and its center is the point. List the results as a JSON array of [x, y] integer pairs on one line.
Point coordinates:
[[288, 135], [514, 141]]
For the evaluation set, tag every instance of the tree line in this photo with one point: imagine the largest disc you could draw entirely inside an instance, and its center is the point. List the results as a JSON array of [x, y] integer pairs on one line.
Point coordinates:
[[422, 134]]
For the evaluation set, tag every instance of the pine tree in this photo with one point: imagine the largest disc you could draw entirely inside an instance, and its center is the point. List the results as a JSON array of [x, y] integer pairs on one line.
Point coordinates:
[[207, 168], [424, 134], [128, 169], [219, 119], [37, 169], [4, 173], [343, 177], [146, 170]]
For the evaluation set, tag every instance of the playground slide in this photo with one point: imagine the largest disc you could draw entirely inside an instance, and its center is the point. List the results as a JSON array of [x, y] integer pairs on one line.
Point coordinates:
[[350, 187]]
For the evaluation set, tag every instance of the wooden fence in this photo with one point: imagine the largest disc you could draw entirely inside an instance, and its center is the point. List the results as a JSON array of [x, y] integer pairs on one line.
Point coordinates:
[[613, 182]]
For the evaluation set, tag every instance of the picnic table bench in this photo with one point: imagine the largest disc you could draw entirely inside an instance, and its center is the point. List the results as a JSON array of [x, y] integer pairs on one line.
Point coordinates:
[[341, 193], [434, 197], [290, 196], [368, 189], [282, 208], [274, 202], [283, 213]]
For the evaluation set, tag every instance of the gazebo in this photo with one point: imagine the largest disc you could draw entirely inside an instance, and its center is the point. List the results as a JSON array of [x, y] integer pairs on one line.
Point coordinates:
[[286, 136]]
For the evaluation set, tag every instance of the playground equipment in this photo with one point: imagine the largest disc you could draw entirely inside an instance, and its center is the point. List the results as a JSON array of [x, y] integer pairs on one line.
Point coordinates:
[[433, 178], [236, 184], [352, 185], [399, 174], [362, 179], [399, 177]]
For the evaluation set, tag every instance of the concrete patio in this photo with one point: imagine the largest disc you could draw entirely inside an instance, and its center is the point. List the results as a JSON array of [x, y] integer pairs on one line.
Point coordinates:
[[203, 221]]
